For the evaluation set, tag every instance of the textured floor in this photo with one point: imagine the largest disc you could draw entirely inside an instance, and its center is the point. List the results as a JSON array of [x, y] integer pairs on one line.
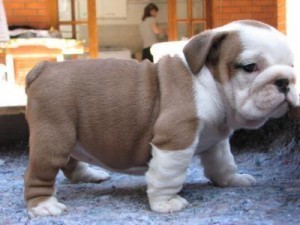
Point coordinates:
[[275, 199]]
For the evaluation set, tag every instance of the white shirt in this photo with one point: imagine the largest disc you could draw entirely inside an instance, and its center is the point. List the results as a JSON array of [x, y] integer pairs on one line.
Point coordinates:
[[149, 37]]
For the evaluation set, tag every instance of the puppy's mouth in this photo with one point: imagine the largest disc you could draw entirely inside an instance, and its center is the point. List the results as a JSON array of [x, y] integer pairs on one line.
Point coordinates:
[[289, 102], [269, 102], [254, 123], [286, 87]]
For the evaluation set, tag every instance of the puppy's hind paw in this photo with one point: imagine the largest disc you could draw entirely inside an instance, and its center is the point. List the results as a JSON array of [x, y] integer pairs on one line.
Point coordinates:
[[49, 207], [86, 174], [174, 204], [241, 180]]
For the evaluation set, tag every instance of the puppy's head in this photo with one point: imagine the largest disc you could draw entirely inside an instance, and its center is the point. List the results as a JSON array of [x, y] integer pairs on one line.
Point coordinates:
[[252, 65]]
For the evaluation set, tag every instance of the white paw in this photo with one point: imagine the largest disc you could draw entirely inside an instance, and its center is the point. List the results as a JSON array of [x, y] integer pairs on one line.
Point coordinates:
[[174, 204], [241, 180], [49, 207], [88, 174]]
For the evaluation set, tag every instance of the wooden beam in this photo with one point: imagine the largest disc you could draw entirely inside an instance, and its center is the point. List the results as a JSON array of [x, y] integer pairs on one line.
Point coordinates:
[[93, 29], [12, 110], [190, 16], [172, 24], [53, 14], [73, 16], [209, 13], [77, 22]]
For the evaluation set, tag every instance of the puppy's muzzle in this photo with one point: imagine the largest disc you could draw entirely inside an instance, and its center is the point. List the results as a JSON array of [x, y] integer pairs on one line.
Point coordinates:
[[282, 85]]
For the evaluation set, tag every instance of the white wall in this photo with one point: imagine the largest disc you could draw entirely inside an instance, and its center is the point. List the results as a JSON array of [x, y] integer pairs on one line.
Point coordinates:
[[115, 32], [135, 9], [4, 35], [293, 31]]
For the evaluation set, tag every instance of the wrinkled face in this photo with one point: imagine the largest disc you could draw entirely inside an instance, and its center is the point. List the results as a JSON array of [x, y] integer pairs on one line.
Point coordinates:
[[261, 75], [253, 65]]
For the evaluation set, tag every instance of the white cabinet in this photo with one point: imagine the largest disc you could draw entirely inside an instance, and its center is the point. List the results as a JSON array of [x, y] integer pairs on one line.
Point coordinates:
[[118, 53], [112, 8], [105, 9]]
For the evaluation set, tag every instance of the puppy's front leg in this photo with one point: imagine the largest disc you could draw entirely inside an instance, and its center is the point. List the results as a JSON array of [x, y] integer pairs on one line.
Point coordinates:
[[165, 177], [220, 168]]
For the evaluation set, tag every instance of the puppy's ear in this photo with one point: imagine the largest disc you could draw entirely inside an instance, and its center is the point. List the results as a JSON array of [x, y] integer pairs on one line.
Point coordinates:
[[201, 47]]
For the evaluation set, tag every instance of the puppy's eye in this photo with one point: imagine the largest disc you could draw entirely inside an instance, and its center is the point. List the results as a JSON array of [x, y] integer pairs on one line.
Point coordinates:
[[249, 68]]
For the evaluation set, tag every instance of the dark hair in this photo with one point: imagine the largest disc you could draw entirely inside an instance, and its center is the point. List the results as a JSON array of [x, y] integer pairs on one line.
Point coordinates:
[[148, 9]]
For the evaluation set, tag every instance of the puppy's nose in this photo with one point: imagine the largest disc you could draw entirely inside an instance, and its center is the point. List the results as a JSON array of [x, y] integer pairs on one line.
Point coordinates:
[[282, 85]]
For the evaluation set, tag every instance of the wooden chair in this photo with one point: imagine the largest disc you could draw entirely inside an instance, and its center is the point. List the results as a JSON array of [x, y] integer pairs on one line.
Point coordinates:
[[20, 60]]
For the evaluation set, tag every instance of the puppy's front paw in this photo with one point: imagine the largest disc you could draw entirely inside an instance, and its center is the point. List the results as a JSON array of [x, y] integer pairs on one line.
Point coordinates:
[[49, 207], [174, 204], [241, 180]]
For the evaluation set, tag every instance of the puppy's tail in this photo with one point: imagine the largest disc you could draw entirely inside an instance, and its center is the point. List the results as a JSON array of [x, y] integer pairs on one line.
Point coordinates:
[[34, 73]]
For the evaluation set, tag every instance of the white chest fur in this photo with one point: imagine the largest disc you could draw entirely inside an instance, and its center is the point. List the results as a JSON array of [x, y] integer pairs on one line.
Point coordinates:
[[210, 111]]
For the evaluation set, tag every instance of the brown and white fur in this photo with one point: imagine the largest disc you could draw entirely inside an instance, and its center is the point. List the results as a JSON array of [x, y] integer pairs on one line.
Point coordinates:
[[153, 118]]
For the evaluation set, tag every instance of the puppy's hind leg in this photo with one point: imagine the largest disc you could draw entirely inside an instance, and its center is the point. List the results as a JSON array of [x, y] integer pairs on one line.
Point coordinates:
[[50, 147], [77, 171], [220, 168]]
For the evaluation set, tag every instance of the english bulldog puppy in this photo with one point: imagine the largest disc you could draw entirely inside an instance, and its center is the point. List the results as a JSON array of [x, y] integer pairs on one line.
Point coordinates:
[[150, 118]]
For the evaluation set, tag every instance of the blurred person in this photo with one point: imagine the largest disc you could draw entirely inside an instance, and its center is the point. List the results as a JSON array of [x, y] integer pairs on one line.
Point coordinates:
[[149, 30]]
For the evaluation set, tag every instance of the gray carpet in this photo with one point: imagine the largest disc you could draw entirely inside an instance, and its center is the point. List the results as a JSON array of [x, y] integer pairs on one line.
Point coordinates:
[[275, 199]]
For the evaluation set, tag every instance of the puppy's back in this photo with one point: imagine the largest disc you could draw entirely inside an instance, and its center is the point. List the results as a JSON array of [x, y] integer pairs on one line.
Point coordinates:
[[111, 104]]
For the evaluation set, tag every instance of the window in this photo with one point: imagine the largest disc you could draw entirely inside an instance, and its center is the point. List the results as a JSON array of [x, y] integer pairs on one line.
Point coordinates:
[[187, 18]]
